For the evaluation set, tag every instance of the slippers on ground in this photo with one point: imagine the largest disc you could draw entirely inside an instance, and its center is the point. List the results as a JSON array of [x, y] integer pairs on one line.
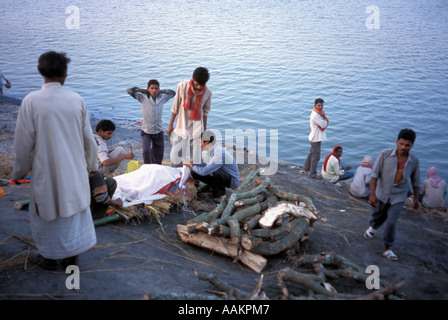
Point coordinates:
[[369, 233], [389, 255]]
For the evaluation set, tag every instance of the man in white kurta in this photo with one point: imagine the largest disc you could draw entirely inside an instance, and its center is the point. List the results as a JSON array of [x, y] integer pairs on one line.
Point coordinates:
[[53, 139], [187, 131]]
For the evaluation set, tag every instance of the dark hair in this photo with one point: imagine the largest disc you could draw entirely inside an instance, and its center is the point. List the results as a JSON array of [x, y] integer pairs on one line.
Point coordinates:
[[53, 64], [201, 75], [153, 81], [105, 125], [407, 134], [318, 100]]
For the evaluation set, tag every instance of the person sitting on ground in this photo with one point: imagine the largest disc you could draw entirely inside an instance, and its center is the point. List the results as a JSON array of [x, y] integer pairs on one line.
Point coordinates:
[[102, 191], [332, 171], [219, 169], [433, 190], [108, 160], [360, 187]]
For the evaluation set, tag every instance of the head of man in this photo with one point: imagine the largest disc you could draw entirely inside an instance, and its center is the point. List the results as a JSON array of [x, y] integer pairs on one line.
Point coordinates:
[[105, 129], [319, 104], [52, 66], [405, 141], [338, 151], [200, 77], [153, 88], [207, 139]]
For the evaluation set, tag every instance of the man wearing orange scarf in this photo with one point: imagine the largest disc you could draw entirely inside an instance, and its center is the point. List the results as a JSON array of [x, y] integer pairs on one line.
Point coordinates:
[[318, 124], [191, 107]]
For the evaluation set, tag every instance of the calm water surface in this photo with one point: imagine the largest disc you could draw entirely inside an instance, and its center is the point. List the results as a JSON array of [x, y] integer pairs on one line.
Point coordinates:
[[268, 61]]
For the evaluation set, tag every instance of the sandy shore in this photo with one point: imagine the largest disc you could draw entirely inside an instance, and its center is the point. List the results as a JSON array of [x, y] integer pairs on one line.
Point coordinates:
[[136, 257]]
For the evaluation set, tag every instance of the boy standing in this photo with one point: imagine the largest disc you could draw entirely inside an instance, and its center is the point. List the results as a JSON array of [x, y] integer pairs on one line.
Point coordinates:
[[389, 188], [151, 101], [108, 160], [318, 124]]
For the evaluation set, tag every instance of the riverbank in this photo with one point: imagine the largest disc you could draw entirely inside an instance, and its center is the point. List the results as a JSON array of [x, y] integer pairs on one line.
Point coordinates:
[[143, 256]]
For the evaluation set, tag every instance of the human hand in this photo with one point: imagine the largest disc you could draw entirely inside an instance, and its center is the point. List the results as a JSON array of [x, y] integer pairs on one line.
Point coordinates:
[[373, 200], [169, 130]]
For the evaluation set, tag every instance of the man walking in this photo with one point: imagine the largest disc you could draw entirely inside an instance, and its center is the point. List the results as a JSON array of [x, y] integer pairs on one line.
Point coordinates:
[[389, 188]]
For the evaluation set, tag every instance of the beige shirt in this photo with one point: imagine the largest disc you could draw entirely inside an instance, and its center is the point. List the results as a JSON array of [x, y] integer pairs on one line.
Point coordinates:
[[333, 170], [53, 138], [185, 126], [316, 121]]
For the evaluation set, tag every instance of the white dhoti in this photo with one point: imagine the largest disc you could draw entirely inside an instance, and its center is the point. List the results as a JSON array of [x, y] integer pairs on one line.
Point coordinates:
[[63, 237]]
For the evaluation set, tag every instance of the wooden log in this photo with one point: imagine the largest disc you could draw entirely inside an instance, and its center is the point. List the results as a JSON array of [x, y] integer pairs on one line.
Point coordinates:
[[274, 213], [223, 246], [252, 223], [250, 201], [105, 220], [221, 231], [271, 248], [221, 285], [250, 177], [212, 215], [294, 197], [235, 231], [22, 204], [311, 282], [280, 231], [250, 242]]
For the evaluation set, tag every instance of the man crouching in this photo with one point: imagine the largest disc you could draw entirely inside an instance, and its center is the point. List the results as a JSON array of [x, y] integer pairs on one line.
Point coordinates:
[[218, 168]]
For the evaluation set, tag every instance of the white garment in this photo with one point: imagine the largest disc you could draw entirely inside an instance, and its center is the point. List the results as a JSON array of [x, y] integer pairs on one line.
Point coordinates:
[[64, 237], [360, 187], [53, 138], [333, 170], [316, 121], [140, 186]]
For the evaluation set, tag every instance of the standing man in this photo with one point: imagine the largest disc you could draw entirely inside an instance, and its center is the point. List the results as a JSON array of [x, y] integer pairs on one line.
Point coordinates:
[[389, 188], [191, 107], [152, 100], [318, 124], [53, 139]]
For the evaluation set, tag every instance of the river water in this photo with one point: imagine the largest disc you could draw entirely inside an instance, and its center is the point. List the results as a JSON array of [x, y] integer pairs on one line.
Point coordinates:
[[380, 66]]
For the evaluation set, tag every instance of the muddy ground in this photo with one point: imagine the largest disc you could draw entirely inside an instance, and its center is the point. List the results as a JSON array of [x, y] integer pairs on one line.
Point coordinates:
[[135, 257]]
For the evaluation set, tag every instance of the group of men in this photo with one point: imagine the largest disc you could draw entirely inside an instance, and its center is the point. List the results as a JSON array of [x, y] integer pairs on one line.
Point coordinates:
[[54, 139], [393, 170]]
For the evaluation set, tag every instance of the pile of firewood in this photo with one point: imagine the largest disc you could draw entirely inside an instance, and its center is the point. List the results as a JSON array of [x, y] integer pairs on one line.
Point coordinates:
[[316, 285], [255, 221]]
